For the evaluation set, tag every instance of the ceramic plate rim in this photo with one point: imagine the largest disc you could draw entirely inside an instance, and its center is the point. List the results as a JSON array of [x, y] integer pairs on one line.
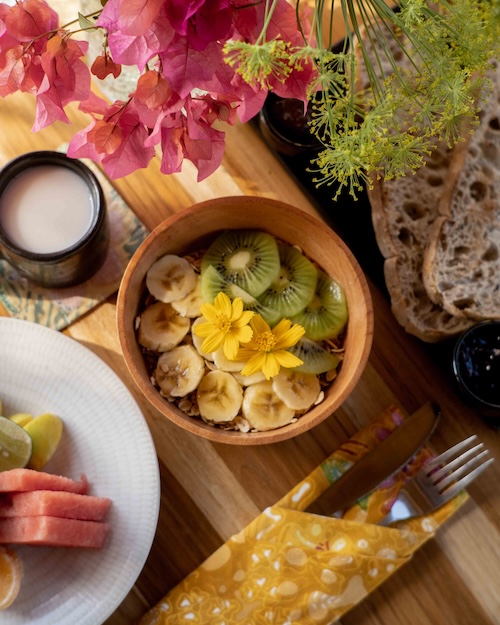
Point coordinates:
[[23, 338]]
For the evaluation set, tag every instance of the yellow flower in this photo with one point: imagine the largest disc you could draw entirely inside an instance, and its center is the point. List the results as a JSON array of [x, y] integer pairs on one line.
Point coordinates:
[[266, 351], [226, 325]]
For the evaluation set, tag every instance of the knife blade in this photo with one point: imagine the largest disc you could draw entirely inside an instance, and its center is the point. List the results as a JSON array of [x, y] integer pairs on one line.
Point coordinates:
[[379, 463]]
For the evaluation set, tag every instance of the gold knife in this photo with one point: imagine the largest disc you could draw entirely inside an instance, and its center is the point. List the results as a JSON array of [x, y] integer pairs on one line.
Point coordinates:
[[380, 463]]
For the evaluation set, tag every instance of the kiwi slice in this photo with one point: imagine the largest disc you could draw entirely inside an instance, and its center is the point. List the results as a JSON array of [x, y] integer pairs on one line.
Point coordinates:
[[294, 286], [326, 314], [213, 282], [247, 258], [315, 358]]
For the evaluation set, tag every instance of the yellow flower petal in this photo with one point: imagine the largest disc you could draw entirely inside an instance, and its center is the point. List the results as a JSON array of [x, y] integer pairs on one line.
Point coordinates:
[[258, 325], [223, 305], [237, 309], [209, 311], [290, 337], [212, 342], [245, 353], [271, 366], [244, 334], [230, 346], [203, 329], [281, 327], [254, 364], [287, 360], [244, 319]]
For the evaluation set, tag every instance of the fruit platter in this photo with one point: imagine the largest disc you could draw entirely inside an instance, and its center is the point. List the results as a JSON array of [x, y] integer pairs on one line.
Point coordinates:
[[287, 306], [244, 320], [87, 444]]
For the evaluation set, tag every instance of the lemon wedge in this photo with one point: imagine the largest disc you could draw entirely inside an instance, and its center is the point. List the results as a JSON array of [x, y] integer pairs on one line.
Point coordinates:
[[21, 418], [45, 432], [16, 445]]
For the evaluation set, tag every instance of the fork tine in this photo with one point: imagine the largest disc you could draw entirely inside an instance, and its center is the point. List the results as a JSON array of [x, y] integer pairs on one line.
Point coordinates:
[[461, 471], [449, 453], [459, 461], [455, 488]]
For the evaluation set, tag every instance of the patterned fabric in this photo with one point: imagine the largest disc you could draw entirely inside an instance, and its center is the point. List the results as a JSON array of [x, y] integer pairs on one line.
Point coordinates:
[[57, 308], [295, 568]]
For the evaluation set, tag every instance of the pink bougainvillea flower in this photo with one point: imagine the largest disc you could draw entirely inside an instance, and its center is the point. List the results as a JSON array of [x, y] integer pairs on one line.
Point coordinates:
[[212, 22], [104, 66], [67, 79], [153, 89], [128, 155], [106, 136], [13, 74], [81, 147], [184, 87], [190, 136], [139, 48], [31, 19], [136, 18], [179, 13]]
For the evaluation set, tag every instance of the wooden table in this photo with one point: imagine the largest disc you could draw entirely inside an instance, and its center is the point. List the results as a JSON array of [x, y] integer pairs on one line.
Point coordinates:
[[211, 491]]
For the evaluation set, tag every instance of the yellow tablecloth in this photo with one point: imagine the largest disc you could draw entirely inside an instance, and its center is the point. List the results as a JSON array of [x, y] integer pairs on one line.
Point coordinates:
[[289, 567]]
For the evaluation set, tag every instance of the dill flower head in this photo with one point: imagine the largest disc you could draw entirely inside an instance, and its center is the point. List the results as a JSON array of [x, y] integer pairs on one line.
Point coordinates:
[[226, 325], [402, 78], [267, 350], [256, 64]]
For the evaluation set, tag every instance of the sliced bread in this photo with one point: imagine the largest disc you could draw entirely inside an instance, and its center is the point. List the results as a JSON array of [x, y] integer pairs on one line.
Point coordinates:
[[403, 211], [461, 267]]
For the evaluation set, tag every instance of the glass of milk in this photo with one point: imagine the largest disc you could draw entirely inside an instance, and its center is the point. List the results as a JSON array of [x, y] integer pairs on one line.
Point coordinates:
[[53, 220]]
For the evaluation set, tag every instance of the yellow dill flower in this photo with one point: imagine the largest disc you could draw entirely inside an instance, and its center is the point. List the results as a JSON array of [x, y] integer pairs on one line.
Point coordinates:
[[267, 350], [257, 63], [226, 325]]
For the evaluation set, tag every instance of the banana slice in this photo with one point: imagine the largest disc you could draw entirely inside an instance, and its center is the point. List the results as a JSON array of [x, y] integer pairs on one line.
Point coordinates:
[[297, 390], [179, 371], [198, 340], [189, 306], [170, 278], [263, 409], [224, 364], [248, 380], [161, 328], [219, 397]]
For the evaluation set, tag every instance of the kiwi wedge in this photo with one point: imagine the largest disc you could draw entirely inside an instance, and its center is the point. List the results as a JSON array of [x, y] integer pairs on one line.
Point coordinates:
[[212, 282], [247, 258], [294, 286], [326, 314], [315, 358]]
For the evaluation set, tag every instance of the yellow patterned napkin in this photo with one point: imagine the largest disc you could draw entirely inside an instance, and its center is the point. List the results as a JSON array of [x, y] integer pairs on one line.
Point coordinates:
[[57, 308], [295, 568]]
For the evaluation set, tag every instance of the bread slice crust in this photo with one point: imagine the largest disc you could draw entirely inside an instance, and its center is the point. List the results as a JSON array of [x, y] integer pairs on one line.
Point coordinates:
[[461, 266], [403, 213]]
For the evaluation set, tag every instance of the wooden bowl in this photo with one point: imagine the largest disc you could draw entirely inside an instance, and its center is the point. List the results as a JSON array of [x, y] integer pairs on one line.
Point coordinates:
[[194, 228]]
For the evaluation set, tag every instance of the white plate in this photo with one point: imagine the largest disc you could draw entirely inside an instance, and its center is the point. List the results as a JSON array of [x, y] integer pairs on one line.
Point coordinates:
[[106, 438]]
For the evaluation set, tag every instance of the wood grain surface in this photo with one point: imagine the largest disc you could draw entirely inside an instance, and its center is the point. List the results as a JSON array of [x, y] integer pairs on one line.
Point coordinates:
[[210, 491]]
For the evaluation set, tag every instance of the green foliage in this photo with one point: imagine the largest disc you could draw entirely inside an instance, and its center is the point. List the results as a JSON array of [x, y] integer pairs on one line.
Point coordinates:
[[404, 78]]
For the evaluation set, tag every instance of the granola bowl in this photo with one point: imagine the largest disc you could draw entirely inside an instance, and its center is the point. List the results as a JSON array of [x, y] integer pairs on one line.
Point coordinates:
[[191, 237]]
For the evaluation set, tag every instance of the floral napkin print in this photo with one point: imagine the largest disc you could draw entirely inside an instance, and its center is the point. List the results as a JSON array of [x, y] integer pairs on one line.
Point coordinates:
[[58, 308], [296, 568]]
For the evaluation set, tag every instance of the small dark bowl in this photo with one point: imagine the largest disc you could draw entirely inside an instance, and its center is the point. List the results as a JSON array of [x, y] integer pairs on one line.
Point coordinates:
[[285, 127], [74, 264], [476, 365]]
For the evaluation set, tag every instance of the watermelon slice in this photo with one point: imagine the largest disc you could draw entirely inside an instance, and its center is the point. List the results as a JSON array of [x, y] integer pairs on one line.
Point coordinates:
[[53, 531], [54, 503], [29, 479]]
